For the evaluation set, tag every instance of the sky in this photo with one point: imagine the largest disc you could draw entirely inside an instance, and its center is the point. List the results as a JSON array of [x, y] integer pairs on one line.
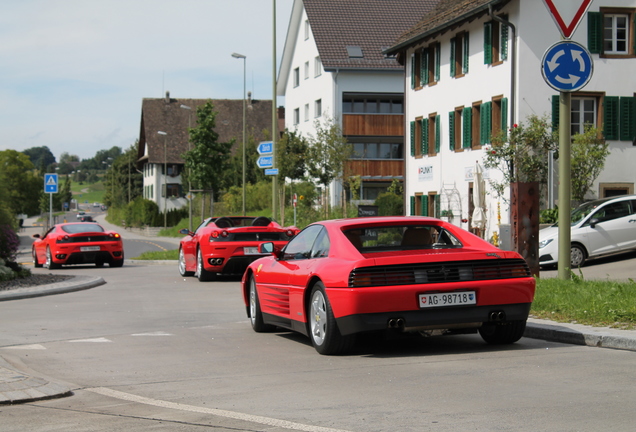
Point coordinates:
[[73, 73]]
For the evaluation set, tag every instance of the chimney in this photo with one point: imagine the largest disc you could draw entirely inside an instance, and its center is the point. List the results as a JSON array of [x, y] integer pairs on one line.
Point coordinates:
[[249, 98], [167, 97]]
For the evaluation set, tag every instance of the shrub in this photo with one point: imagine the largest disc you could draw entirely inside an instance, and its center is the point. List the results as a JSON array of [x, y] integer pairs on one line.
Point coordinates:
[[9, 243]]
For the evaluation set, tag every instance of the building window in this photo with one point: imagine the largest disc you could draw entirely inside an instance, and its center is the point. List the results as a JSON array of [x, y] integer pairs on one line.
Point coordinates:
[[495, 42], [433, 135], [499, 117], [418, 128], [296, 116], [608, 190], [459, 55], [306, 70], [476, 133], [306, 29], [583, 113], [455, 129], [425, 66], [376, 148], [318, 108], [610, 32], [354, 103], [317, 66], [296, 77], [306, 112], [419, 205]]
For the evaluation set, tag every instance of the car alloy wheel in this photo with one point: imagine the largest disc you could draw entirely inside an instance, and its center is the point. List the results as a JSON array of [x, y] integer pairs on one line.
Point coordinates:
[[577, 256], [202, 274], [49, 264], [323, 329], [182, 265], [36, 263]]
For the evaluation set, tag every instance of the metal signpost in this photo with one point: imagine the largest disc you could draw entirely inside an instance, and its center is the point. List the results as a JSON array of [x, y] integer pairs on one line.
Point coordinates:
[[50, 187], [566, 67]]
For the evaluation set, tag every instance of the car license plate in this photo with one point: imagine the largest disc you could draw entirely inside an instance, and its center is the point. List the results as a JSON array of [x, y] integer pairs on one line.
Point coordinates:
[[89, 248], [250, 250], [448, 299]]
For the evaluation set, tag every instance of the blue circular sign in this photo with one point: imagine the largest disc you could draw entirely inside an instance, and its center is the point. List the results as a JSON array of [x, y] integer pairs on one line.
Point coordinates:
[[567, 66]]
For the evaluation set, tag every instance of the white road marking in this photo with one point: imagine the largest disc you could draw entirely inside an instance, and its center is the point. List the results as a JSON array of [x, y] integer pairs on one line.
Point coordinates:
[[157, 333], [221, 413], [94, 340], [26, 347]]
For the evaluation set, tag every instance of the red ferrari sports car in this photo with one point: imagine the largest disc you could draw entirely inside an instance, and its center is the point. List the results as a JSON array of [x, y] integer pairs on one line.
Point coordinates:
[[338, 278], [228, 244], [77, 243]]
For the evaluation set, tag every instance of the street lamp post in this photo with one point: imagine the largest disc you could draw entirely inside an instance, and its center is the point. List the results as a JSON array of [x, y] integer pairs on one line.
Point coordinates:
[[165, 176], [241, 56], [189, 182]]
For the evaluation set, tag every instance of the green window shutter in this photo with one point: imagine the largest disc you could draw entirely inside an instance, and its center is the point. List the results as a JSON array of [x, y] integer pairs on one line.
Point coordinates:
[[424, 67], [451, 130], [438, 134], [424, 205], [485, 114], [504, 115], [555, 113], [424, 136], [504, 39], [438, 200], [438, 60], [595, 32], [610, 117], [413, 71], [412, 138], [453, 42], [466, 56], [412, 206], [628, 118], [467, 120], [488, 43]]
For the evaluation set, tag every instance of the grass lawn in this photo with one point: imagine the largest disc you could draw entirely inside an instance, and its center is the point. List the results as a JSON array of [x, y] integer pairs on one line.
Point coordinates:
[[88, 193]]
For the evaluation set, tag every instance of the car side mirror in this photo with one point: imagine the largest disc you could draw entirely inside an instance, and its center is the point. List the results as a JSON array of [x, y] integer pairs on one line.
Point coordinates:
[[266, 248], [593, 222], [186, 231], [36, 236]]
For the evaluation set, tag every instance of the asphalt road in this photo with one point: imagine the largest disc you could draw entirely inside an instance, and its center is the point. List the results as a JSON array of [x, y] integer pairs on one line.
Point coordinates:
[[151, 350]]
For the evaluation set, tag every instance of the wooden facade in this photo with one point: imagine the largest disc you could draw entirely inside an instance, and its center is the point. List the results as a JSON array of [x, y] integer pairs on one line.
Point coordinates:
[[373, 124], [374, 168]]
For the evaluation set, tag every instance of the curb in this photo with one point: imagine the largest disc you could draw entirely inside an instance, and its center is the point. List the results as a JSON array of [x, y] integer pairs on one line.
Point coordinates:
[[16, 387], [76, 283]]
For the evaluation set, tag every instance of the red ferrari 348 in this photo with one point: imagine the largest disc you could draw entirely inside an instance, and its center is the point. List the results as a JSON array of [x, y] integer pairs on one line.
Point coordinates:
[[77, 243], [226, 245], [338, 278]]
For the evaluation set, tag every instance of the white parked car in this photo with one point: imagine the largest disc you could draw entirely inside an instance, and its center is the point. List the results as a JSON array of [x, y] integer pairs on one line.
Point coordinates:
[[80, 214], [599, 227]]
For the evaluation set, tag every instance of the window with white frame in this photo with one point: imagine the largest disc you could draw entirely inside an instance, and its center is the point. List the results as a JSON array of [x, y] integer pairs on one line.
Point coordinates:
[[318, 108], [610, 32], [306, 29], [306, 70], [584, 112], [296, 77], [317, 66], [296, 116], [306, 112]]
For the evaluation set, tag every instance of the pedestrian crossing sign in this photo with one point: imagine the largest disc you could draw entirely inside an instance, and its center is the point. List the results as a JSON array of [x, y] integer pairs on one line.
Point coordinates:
[[50, 183]]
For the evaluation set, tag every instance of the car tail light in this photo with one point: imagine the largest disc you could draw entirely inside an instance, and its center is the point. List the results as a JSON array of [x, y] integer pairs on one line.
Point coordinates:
[[218, 235], [114, 236], [64, 239], [290, 233]]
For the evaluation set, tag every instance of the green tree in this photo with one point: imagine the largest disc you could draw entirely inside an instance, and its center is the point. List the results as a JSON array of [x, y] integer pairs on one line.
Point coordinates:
[[328, 150], [292, 156], [253, 174], [40, 156], [207, 162], [123, 182], [522, 155], [588, 153], [23, 186]]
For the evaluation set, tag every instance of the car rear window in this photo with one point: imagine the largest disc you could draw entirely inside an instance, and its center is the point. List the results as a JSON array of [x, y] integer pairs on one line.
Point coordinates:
[[401, 237], [82, 228]]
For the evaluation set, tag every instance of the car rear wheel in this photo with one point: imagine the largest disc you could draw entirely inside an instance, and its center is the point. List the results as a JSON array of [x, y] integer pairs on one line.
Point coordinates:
[[35, 259], [182, 265], [502, 333], [577, 256], [256, 316], [49, 264], [202, 274], [117, 263], [323, 330]]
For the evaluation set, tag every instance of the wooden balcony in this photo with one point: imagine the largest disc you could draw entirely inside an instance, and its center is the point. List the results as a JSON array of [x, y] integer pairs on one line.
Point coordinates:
[[374, 168], [373, 124]]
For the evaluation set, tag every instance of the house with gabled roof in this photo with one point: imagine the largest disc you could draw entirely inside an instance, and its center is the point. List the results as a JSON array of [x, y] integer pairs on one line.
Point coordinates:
[[473, 67], [333, 67], [160, 155]]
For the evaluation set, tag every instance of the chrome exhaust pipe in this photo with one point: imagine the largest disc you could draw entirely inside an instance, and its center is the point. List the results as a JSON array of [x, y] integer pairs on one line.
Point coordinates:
[[497, 316]]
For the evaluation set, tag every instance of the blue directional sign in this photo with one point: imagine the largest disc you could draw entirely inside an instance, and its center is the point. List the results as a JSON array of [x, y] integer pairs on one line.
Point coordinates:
[[266, 147], [567, 66], [50, 183], [265, 162], [271, 171]]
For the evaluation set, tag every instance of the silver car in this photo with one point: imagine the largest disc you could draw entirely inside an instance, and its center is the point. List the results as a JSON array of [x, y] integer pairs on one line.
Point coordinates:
[[599, 227]]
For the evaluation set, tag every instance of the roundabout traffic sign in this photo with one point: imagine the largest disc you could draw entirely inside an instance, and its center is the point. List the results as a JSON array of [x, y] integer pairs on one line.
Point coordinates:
[[567, 66]]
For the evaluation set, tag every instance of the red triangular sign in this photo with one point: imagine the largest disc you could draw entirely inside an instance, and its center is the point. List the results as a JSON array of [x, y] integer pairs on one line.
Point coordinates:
[[567, 14]]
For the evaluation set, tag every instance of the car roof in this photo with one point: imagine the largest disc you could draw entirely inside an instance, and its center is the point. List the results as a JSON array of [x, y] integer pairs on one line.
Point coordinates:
[[80, 227], [600, 201]]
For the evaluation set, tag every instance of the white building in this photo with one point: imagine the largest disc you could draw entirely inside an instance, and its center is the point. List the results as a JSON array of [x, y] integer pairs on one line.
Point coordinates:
[[459, 72], [333, 67]]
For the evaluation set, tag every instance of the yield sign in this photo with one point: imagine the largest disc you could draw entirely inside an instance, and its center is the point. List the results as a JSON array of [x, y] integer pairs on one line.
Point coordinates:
[[567, 14]]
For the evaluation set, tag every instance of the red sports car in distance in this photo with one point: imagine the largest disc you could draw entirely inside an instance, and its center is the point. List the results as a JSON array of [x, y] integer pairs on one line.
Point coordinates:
[[77, 243], [226, 245], [338, 278]]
